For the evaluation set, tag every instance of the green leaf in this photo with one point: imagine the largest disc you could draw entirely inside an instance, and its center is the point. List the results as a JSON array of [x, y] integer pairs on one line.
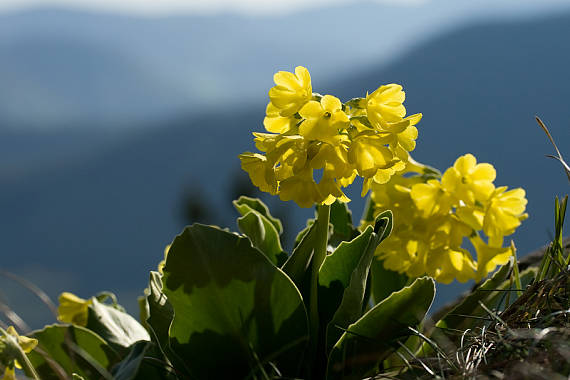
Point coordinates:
[[118, 328], [341, 220], [367, 341], [160, 310], [356, 103], [128, 368], [234, 311], [298, 264], [384, 281], [343, 276], [263, 236], [303, 232], [245, 204], [142, 363], [66, 349]]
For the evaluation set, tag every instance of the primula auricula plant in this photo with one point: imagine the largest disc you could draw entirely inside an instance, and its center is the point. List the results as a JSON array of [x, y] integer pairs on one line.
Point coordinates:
[[369, 137], [343, 304]]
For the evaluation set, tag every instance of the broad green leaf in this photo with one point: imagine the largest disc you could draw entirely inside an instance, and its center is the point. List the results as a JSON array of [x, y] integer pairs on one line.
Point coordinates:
[[297, 266], [233, 309], [343, 276], [367, 341], [263, 236], [341, 220], [385, 281], [66, 349], [245, 204], [303, 232], [160, 310], [118, 328]]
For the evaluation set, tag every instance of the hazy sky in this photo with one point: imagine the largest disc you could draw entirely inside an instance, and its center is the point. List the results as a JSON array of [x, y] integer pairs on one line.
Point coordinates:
[[151, 7]]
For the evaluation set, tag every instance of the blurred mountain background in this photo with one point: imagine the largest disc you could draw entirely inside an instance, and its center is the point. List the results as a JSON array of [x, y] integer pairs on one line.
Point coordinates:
[[116, 130]]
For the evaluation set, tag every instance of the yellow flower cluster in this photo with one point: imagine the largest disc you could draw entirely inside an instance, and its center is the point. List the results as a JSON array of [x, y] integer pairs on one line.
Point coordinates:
[[433, 216], [369, 137]]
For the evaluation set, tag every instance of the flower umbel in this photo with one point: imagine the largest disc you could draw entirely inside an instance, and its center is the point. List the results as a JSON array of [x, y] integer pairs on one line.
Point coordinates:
[[433, 216], [369, 137]]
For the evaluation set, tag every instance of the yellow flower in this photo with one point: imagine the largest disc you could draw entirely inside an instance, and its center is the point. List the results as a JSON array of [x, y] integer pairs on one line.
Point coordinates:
[[260, 171], [334, 160], [323, 120], [468, 181], [330, 191], [72, 309], [472, 216], [489, 257], [369, 153], [447, 264], [385, 105], [276, 123], [430, 198], [300, 188], [505, 212], [25, 343], [9, 373], [8, 343], [406, 133], [292, 91]]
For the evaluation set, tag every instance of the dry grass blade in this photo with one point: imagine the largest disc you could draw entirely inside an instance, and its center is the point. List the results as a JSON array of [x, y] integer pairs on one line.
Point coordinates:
[[32, 288], [559, 158], [14, 318]]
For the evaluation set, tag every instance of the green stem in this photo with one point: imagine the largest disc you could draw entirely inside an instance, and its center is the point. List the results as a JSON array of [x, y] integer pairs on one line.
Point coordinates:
[[320, 252]]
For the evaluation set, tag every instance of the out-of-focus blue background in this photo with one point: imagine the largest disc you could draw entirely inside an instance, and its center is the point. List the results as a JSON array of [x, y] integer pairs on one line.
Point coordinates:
[[120, 126]]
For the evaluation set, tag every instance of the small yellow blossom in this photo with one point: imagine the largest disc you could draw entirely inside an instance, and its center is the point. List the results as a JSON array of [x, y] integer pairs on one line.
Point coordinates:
[[445, 265], [9, 373], [11, 339], [489, 257], [300, 188], [323, 120], [292, 91], [72, 309], [468, 181], [430, 198], [25, 343], [505, 212], [385, 105], [260, 171], [276, 123], [369, 153]]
